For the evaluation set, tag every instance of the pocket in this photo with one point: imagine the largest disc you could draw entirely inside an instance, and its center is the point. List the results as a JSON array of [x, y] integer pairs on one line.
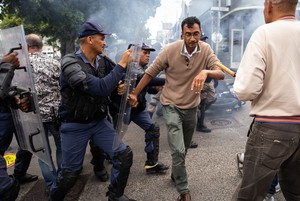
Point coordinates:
[[275, 148]]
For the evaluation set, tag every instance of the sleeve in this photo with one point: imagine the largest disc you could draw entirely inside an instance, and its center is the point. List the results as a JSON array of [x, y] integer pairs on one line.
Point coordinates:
[[251, 72]]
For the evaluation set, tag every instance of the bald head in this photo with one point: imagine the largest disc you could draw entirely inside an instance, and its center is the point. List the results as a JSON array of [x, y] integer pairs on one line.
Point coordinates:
[[276, 9], [34, 42]]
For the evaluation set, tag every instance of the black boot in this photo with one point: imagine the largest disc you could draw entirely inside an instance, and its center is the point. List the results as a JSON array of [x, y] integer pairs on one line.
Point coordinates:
[[152, 165], [200, 120], [122, 163], [12, 191]]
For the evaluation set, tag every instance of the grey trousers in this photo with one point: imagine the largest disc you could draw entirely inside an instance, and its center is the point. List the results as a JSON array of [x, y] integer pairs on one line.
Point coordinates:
[[181, 125], [271, 148]]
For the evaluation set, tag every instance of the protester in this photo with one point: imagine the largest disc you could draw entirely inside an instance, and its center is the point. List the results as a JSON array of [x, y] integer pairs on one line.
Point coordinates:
[[186, 68], [46, 73], [84, 90], [268, 76]]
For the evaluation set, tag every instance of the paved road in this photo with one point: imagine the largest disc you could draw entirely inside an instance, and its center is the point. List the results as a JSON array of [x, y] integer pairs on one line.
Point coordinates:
[[212, 168]]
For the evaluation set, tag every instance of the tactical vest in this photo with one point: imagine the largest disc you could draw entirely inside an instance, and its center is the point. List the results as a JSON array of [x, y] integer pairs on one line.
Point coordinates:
[[82, 107]]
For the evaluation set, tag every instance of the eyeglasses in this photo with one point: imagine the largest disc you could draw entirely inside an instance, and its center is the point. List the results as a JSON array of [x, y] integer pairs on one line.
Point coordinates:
[[195, 34]]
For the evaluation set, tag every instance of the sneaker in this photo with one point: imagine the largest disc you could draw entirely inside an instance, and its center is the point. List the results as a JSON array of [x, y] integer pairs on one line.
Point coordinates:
[[269, 197], [240, 160], [277, 188], [184, 197], [157, 168]]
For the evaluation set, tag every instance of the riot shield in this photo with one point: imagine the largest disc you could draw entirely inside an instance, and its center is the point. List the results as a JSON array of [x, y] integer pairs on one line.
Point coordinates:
[[130, 81], [29, 126]]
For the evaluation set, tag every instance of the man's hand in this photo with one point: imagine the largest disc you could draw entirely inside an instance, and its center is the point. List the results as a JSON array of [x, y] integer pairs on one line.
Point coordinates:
[[126, 58], [198, 82], [23, 104], [122, 88], [133, 100], [12, 58]]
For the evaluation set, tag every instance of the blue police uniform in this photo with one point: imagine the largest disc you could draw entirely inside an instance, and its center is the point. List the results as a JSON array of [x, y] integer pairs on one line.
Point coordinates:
[[83, 113], [142, 118]]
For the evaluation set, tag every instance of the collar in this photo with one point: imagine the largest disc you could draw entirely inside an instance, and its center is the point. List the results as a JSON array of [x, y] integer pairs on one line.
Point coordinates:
[[185, 52], [80, 54]]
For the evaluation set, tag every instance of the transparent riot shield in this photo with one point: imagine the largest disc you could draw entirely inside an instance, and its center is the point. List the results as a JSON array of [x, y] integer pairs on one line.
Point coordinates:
[[130, 81], [29, 126]]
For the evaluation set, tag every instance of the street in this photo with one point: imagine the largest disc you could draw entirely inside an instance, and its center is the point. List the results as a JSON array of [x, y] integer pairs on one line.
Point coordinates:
[[212, 167]]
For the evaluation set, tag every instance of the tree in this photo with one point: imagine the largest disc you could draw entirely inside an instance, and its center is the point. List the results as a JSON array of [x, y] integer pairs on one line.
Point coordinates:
[[60, 19]]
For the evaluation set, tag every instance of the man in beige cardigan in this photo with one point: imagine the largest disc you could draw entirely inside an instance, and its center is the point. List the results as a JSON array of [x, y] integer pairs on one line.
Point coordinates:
[[187, 63]]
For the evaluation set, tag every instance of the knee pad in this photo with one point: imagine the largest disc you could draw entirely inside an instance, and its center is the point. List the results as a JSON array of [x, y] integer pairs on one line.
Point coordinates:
[[66, 180], [153, 132], [124, 158], [152, 138]]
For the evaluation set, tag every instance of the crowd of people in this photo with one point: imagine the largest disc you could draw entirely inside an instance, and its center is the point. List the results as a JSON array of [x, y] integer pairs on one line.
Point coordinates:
[[85, 88]]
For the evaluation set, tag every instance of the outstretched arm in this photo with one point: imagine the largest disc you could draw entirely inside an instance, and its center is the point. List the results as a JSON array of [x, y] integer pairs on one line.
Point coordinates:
[[142, 84]]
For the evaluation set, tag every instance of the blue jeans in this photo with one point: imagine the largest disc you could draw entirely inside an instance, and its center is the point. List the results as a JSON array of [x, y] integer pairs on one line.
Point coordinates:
[[50, 176]]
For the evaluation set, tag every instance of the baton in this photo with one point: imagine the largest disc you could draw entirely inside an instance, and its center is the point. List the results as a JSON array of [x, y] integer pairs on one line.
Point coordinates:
[[224, 68]]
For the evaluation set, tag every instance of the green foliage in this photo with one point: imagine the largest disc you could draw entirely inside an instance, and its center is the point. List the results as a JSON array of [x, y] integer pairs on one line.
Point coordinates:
[[60, 19]]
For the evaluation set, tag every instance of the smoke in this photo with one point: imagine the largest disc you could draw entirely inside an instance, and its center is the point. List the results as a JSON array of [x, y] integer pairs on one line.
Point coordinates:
[[126, 20]]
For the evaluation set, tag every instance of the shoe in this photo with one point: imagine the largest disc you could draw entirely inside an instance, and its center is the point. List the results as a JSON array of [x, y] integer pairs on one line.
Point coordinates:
[[12, 191], [239, 160], [269, 197], [157, 168], [203, 129], [193, 145], [277, 188], [184, 197], [26, 178], [101, 174]]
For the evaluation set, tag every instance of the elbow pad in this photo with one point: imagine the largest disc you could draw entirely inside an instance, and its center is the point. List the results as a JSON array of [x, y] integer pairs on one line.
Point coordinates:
[[6, 75], [72, 71]]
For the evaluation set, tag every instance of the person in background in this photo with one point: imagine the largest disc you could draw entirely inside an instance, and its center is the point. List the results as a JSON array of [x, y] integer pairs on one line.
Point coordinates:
[[46, 73], [186, 69], [85, 88], [263, 77], [208, 97]]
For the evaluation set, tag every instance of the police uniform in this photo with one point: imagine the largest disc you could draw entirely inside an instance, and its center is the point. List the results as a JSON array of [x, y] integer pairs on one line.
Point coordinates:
[[9, 186], [141, 117], [83, 110]]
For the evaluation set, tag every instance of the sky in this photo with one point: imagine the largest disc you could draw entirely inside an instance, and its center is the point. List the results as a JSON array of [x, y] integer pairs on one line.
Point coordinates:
[[168, 12]]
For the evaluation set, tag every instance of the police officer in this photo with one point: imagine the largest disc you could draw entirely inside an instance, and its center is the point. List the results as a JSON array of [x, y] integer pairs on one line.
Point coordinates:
[[84, 89], [9, 185], [140, 115]]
